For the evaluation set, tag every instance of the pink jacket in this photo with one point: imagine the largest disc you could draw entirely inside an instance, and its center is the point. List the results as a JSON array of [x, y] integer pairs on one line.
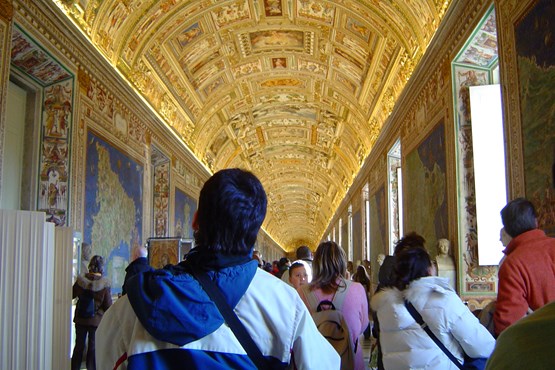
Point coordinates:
[[526, 277]]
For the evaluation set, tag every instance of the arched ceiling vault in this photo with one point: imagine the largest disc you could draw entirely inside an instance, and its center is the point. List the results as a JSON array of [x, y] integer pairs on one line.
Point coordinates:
[[294, 90]]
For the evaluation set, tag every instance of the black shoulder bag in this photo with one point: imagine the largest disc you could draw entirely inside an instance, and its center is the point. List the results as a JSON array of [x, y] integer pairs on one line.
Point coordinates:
[[469, 363], [231, 319]]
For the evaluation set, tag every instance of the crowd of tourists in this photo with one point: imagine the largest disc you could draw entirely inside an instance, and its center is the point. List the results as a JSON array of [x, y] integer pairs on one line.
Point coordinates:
[[224, 307]]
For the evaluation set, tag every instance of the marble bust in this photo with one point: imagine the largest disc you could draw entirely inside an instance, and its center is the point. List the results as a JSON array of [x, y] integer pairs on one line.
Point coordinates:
[[380, 259], [445, 263]]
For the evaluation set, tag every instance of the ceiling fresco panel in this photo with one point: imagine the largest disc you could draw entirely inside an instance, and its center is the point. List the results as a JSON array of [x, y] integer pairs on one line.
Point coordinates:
[[296, 91]]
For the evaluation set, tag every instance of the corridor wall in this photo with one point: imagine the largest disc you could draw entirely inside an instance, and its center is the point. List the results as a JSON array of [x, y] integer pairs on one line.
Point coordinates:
[[427, 103], [104, 107]]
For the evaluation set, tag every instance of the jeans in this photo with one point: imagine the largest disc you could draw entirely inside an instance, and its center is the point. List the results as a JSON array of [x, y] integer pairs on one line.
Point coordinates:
[[81, 332]]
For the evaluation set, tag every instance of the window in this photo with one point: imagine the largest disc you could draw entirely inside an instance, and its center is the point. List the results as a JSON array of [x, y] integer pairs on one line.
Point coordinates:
[[468, 72], [350, 251], [395, 192], [366, 232], [489, 169]]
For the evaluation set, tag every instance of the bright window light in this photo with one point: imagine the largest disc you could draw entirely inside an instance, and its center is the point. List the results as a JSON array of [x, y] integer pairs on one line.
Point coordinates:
[[489, 169]]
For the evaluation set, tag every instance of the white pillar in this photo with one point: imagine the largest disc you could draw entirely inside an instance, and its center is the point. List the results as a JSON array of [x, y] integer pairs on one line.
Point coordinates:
[[26, 290], [63, 280]]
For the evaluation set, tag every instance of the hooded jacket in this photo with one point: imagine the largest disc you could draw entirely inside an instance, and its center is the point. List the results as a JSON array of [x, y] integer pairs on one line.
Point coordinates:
[[405, 345], [140, 264], [167, 321], [100, 286]]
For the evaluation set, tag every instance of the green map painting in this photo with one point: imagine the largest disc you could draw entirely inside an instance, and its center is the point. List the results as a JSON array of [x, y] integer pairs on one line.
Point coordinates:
[[536, 72], [185, 208], [425, 184], [113, 210]]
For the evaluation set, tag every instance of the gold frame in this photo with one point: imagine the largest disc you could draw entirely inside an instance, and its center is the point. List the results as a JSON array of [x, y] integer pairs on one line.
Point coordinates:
[[164, 251]]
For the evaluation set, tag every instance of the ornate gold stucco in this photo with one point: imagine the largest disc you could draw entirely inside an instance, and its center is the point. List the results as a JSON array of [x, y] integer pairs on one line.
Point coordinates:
[[294, 90]]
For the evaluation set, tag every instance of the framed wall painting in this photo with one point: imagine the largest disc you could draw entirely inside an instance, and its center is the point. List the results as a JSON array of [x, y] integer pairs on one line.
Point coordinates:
[[425, 188], [536, 74], [167, 251], [525, 36]]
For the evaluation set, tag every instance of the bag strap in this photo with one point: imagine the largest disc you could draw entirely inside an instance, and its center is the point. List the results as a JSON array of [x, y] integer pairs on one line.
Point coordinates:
[[340, 295], [310, 296], [231, 319], [337, 299], [414, 313]]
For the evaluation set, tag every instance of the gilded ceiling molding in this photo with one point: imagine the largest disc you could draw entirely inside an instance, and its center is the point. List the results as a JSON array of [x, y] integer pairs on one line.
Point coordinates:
[[427, 106], [508, 13], [84, 80], [308, 85], [412, 115], [6, 10], [76, 50], [417, 107]]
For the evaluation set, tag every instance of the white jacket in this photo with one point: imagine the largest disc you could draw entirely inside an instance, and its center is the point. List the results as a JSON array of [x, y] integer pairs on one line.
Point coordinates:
[[405, 345], [176, 307]]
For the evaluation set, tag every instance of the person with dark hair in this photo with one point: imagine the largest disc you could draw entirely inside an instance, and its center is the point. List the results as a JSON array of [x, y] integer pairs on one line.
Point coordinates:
[[168, 321], [94, 298], [350, 268], [386, 273], [527, 275], [297, 274], [329, 278], [411, 240], [275, 267], [303, 253], [404, 343], [363, 278], [267, 267], [367, 266], [387, 279], [283, 265]]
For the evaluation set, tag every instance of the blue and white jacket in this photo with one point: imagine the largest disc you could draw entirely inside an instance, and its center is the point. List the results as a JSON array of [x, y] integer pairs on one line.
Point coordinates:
[[167, 321]]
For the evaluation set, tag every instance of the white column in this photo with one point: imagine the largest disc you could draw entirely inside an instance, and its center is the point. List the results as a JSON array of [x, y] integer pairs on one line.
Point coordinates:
[[26, 290], [61, 331]]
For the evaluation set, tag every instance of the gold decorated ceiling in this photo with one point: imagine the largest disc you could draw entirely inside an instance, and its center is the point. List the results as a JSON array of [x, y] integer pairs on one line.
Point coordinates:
[[294, 90]]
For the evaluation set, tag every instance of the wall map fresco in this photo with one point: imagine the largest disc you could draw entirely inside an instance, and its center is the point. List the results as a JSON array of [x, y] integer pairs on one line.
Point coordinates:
[[185, 208], [113, 206]]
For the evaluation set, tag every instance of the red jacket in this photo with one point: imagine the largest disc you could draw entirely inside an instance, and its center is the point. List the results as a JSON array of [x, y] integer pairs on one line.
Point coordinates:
[[526, 277]]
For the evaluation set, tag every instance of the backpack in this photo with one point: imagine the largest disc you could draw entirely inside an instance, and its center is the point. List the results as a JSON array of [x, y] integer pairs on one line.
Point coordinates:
[[85, 305], [332, 325]]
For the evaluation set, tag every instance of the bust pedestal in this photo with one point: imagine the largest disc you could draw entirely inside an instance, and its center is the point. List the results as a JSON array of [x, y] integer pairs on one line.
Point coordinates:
[[446, 269]]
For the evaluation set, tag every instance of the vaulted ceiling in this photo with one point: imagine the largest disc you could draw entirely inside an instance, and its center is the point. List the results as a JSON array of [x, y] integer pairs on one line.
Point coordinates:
[[296, 91]]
